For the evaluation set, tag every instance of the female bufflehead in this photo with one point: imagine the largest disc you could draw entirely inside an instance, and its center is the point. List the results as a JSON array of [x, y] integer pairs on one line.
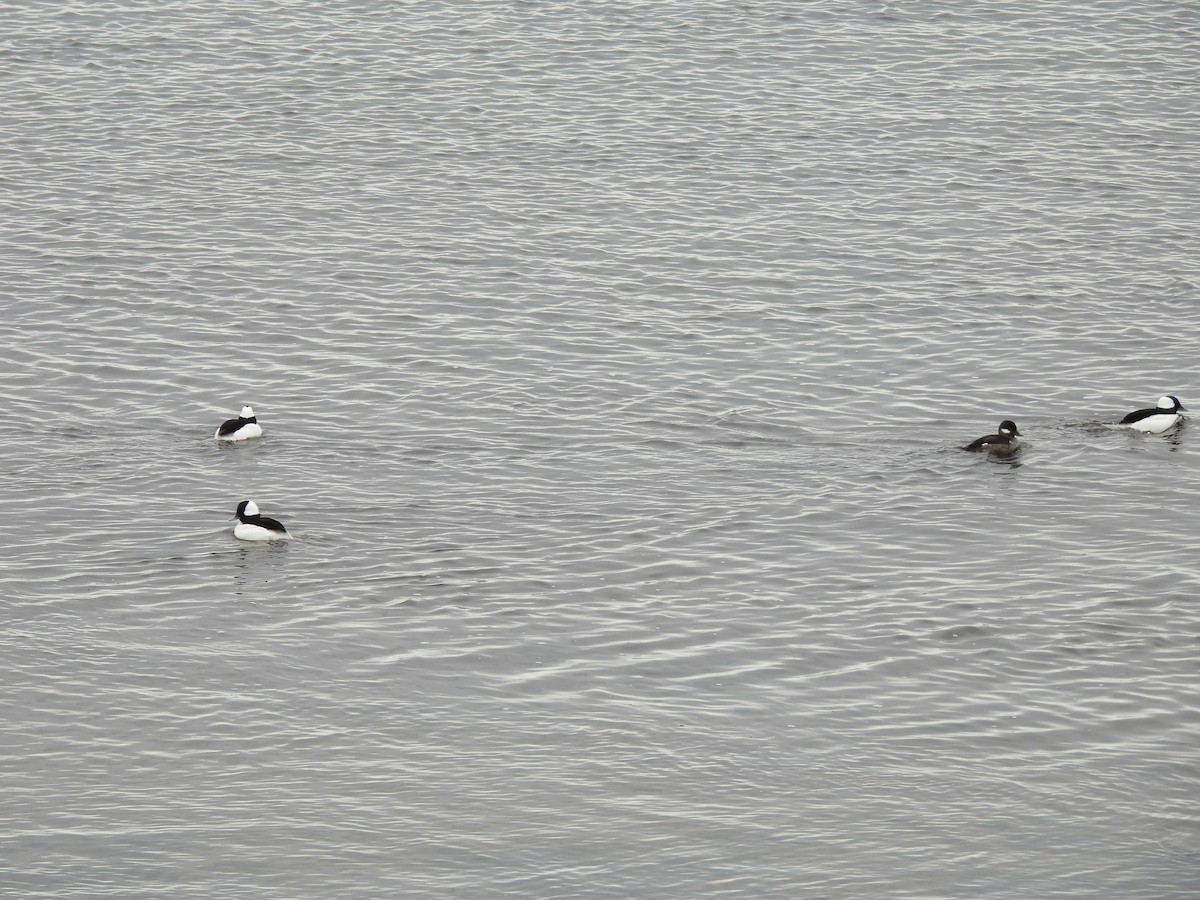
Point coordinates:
[[253, 527], [244, 426], [1158, 419], [1004, 443]]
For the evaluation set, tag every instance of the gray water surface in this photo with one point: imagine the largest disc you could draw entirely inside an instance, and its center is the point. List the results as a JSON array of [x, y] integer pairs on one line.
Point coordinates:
[[613, 361]]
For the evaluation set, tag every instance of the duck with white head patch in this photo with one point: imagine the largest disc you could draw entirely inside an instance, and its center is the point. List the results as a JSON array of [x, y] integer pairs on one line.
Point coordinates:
[[254, 527], [1167, 414], [239, 429], [1005, 442]]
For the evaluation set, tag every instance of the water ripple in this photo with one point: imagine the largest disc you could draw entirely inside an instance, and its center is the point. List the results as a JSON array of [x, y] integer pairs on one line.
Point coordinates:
[[613, 363]]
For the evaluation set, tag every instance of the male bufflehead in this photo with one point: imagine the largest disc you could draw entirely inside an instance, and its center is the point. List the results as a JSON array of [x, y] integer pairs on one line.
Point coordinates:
[[244, 426], [253, 527], [1004, 443], [1158, 419]]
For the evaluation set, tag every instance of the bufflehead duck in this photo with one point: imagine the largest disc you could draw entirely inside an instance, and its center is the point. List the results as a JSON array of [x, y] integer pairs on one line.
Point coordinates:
[[1158, 419], [253, 527], [244, 426], [1004, 443]]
